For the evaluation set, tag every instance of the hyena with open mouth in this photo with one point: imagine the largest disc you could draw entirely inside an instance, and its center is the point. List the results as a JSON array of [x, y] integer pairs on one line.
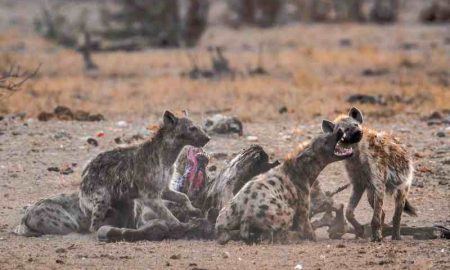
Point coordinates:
[[380, 164], [279, 200]]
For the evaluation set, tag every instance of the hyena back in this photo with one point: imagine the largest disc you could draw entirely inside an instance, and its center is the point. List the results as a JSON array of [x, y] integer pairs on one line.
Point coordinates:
[[280, 199], [380, 165]]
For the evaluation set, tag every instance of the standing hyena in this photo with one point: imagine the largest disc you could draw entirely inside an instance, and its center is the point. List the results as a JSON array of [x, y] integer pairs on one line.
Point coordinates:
[[380, 164], [279, 199], [117, 177]]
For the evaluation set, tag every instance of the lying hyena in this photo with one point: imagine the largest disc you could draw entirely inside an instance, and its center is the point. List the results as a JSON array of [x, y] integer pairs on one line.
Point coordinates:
[[380, 164], [119, 182], [280, 199]]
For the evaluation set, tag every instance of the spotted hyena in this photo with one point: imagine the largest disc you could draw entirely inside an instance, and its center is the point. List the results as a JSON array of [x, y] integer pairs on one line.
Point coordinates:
[[61, 214], [115, 182], [380, 165], [278, 200]]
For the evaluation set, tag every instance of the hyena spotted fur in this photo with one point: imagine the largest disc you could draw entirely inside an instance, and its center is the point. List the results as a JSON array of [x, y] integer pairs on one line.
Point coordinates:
[[380, 164], [275, 202], [120, 187], [61, 214], [116, 177]]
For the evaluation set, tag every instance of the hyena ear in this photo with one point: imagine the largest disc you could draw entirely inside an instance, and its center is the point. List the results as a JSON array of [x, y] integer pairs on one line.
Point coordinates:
[[327, 126], [169, 119], [185, 113], [356, 114]]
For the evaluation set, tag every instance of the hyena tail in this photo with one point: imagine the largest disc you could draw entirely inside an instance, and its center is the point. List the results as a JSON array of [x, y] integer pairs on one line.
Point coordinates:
[[409, 209]]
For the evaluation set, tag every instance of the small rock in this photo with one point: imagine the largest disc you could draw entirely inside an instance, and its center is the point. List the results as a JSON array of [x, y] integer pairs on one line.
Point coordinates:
[[122, 124], [58, 261], [60, 250], [298, 266], [340, 246], [442, 182], [61, 134], [66, 171], [221, 124], [345, 42], [226, 255], [440, 133], [53, 169], [366, 99], [175, 256], [446, 161], [282, 110], [92, 142], [375, 72], [100, 134], [118, 140], [252, 138], [167, 263]]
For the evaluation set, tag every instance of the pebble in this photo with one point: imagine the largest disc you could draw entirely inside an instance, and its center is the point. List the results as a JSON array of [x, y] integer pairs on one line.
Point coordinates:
[[440, 134], [226, 255], [60, 250], [252, 138], [122, 124], [92, 142], [298, 267], [175, 256]]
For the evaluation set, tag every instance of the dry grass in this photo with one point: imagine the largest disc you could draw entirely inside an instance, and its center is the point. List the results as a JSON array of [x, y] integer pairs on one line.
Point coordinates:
[[310, 73]]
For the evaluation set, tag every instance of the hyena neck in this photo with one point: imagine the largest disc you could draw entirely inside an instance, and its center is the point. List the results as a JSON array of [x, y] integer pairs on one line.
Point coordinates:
[[304, 168], [163, 149]]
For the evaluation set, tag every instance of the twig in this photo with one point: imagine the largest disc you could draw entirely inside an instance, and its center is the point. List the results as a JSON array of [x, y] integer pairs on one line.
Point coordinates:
[[7, 79]]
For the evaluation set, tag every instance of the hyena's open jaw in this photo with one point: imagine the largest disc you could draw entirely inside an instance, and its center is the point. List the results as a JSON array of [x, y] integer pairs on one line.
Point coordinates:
[[343, 149]]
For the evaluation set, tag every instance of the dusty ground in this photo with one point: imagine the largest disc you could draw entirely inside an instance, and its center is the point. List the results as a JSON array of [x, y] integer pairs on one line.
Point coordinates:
[[312, 70], [29, 148]]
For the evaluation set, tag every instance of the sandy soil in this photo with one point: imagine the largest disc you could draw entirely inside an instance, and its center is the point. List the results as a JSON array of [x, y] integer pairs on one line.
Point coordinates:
[[29, 147]]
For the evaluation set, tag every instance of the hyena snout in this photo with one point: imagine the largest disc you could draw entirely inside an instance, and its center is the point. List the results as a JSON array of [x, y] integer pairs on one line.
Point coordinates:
[[196, 137], [352, 135]]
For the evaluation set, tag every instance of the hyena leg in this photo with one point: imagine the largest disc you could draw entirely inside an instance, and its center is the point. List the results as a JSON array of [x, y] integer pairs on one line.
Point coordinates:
[[244, 230], [154, 230], [101, 204], [400, 199], [161, 210], [357, 192], [225, 223], [182, 199], [304, 221], [370, 199], [377, 215]]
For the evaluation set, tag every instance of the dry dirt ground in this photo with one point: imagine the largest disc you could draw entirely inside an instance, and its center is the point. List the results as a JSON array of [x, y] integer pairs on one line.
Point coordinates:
[[312, 70], [28, 148]]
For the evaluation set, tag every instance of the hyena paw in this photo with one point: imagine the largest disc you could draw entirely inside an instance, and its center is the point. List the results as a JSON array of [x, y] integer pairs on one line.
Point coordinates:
[[396, 237], [109, 234], [376, 236]]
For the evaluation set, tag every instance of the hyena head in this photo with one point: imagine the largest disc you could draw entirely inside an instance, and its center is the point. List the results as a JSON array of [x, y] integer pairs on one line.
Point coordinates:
[[183, 131], [194, 172], [326, 146], [350, 125]]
